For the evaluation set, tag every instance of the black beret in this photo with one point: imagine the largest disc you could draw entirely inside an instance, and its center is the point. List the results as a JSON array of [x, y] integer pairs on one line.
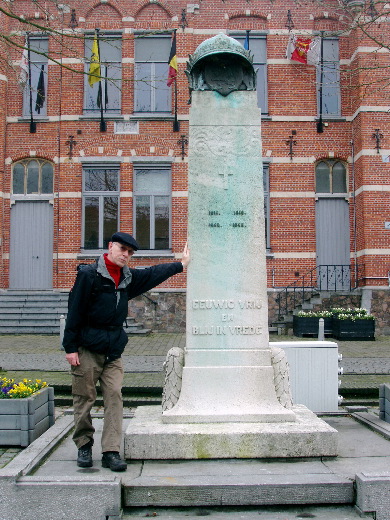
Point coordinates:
[[126, 239]]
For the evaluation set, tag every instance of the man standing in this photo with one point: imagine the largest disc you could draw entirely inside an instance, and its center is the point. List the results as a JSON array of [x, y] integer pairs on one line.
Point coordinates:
[[94, 341]]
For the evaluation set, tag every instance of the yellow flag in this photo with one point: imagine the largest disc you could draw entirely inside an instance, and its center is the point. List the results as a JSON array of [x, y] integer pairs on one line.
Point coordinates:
[[94, 67]]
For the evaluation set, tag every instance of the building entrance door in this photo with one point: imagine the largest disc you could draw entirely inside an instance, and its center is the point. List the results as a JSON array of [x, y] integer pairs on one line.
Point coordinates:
[[31, 245], [332, 244]]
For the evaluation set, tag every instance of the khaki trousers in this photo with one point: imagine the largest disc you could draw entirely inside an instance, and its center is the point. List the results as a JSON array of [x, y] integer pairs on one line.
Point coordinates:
[[84, 379]]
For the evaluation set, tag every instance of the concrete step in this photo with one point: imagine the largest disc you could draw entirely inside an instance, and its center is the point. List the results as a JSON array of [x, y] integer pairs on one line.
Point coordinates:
[[233, 482], [29, 314], [39, 312], [33, 298], [33, 307], [128, 401], [21, 329], [29, 322], [246, 513]]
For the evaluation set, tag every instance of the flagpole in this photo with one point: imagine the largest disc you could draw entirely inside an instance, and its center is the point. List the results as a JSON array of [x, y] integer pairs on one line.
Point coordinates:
[[103, 125], [320, 124], [33, 125], [246, 42], [176, 124]]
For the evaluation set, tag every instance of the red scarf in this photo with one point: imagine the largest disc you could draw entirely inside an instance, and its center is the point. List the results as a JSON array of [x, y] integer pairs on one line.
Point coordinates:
[[113, 269]]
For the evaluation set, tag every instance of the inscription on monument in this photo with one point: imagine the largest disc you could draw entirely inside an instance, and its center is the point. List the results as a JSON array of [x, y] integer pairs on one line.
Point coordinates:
[[227, 328], [226, 217]]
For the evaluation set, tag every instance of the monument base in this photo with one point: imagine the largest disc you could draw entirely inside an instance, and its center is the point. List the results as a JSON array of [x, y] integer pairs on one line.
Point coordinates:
[[147, 437]]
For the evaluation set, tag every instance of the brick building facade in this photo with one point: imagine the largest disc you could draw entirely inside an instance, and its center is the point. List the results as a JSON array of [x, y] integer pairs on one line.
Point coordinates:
[[67, 186]]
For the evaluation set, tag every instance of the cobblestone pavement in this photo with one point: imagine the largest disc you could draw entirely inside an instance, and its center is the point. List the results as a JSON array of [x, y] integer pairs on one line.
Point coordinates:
[[365, 363], [147, 353], [7, 454]]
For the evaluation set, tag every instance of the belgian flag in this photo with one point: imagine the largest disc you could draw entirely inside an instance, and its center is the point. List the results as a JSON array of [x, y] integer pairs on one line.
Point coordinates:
[[172, 61], [94, 67]]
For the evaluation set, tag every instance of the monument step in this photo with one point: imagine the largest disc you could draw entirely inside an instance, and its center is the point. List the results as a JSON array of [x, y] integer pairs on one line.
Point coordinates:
[[339, 512], [128, 401], [234, 482]]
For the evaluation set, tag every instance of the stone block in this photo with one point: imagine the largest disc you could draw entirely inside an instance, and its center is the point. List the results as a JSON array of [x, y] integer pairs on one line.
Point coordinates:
[[373, 494], [64, 498], [147, 437], [229, 490], [384, 402]]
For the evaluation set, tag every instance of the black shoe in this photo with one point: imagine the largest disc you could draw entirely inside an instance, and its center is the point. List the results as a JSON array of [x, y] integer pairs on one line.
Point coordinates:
[[112, 460], [84, 456]]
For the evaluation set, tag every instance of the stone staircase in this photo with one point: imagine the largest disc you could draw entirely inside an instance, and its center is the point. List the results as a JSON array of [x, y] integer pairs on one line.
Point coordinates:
[[39, 312], [284, 325]]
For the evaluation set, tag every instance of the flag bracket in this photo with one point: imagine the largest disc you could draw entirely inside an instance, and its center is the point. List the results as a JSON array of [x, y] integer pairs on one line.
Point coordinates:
[[291, 142], [183, 141], [71, 143], [289, 24], [377, 136]]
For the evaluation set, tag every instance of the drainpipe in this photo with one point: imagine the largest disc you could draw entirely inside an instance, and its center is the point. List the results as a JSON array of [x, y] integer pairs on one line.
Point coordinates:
[[354, 210]]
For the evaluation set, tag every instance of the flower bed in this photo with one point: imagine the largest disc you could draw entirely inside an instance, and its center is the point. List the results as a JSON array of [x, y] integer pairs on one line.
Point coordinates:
[[338, 322], [24, 413], [307, 323]]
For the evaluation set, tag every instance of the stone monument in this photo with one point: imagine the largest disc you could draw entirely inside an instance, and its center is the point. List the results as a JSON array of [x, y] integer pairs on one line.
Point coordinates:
[[227, 405]]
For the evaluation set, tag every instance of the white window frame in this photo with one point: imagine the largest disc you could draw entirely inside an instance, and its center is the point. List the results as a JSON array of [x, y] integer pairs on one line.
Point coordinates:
[[155, 82], [36, 63], [327, 90], [258, 63], [101, 195], [34, 195], [106, 83], [146, 193]]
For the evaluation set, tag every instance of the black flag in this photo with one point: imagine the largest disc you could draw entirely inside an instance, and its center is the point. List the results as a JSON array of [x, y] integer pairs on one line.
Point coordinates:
[[40, 91]]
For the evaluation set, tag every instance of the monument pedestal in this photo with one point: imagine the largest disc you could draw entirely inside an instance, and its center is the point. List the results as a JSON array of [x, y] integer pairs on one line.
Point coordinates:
[[213, 394], [147, 437]]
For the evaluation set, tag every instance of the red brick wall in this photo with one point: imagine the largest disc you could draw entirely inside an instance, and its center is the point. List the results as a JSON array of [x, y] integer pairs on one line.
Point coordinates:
[[291, 96]]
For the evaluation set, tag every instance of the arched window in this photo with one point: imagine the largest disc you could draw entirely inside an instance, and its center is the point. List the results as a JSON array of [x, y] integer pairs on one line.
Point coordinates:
[[331, 177], [32, 177]]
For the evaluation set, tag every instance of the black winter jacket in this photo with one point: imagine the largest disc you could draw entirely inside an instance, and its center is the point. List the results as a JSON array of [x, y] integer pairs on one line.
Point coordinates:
[[97, 310]]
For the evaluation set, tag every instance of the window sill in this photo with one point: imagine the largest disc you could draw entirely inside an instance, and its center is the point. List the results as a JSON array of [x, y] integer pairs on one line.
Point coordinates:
[[332, 196], [96, 117], [27, 119], [328, 119], [93, 254], [150, 116], [32, 196]]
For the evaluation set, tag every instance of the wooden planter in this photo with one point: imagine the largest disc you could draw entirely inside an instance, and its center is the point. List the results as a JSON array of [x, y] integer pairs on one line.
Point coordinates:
[[24, 420], [308, 326], [354, 329]]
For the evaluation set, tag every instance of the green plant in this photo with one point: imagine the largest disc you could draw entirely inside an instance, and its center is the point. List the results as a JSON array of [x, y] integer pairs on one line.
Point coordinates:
[[11, 390], [315, 314], [351, 314]]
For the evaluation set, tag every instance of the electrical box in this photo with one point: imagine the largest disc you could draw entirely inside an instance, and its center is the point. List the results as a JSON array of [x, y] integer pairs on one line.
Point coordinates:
[[314, 371]]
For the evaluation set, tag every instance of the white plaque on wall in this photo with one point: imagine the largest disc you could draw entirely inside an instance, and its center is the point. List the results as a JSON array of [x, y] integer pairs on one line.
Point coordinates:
[[126, 127]]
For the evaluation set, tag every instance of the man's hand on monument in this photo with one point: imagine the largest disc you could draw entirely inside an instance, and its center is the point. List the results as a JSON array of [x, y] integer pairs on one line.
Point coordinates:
[[185, 259], [73, 359]]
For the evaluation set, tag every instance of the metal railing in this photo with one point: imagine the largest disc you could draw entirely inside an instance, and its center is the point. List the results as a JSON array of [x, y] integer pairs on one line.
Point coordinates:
[[321, 278]]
